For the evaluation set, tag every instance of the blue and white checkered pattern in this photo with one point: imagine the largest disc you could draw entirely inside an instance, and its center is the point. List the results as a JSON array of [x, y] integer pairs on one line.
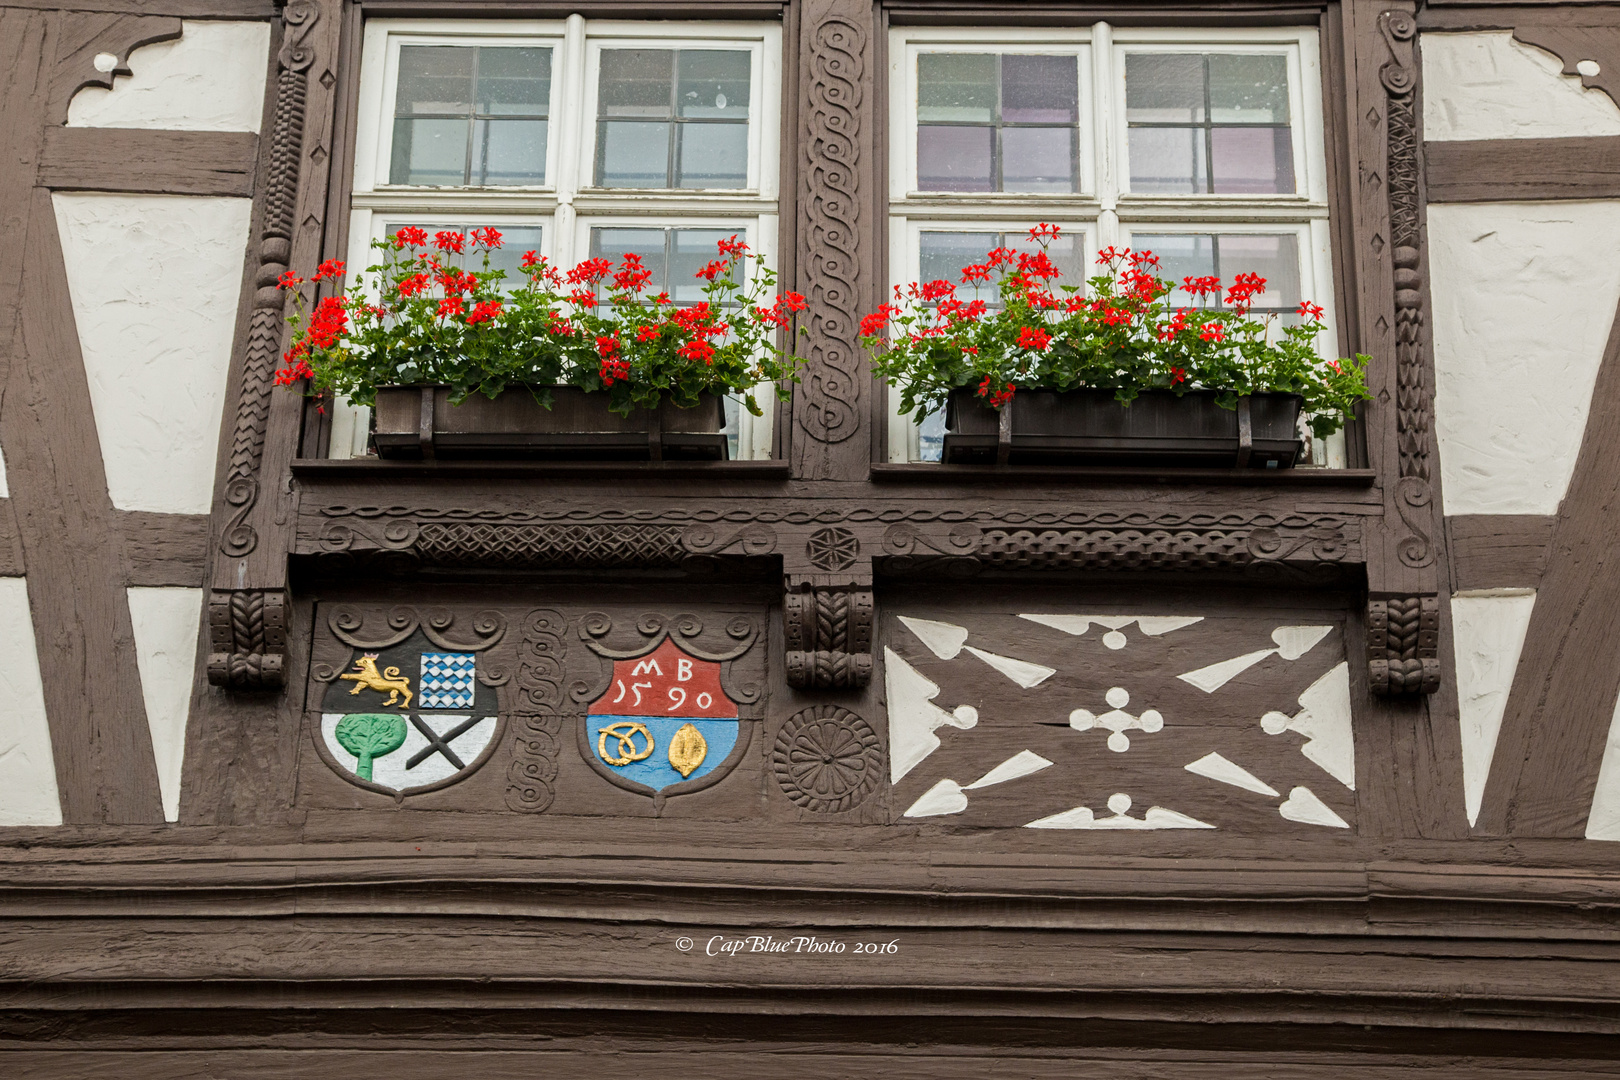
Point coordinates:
[[447, 681]]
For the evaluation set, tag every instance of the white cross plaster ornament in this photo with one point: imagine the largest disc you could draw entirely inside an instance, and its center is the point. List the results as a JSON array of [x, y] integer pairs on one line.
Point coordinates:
[[1117, 721]]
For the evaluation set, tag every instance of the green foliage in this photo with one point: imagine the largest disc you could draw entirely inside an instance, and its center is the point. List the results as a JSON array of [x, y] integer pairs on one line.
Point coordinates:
[[370, 735], [1122, 335], [417, 320]]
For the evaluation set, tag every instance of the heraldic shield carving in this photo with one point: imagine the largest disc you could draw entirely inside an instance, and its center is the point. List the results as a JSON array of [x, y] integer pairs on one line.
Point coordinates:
[[409, 717], [665, 725]]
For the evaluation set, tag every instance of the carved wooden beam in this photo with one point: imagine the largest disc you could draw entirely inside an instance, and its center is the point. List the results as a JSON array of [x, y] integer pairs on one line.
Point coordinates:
[[1402, 572], [250, 571]]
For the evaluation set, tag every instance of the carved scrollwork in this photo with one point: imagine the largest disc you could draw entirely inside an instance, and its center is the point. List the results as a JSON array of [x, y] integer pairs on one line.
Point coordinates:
[[536, 721], [596, 626], [348, 625], [827, 759], [829, 399], [752, 539]]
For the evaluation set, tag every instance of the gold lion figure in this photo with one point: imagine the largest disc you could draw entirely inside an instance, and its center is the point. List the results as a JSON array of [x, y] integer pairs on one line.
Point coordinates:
[[389, 680]]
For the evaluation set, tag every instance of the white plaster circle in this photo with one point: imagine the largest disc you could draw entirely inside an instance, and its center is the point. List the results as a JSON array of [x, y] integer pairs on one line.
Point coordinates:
[[1119, 802], [105, 61], [1589, 68], [1114, 639], [966, 715], [1117, 697], [1082, 720], [1274, 723], [1118, 743], [1152, 721]]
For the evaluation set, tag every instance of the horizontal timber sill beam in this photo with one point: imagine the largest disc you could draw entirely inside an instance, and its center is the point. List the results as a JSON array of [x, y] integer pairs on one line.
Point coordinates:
[[373, 470], [223, 10], [1047, 475], [144, 161], [1498, 551], [1515, 170], [166, 549]]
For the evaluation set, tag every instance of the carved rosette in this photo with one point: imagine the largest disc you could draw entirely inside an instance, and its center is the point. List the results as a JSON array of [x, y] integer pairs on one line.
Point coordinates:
[[247, 637], [827, 759]]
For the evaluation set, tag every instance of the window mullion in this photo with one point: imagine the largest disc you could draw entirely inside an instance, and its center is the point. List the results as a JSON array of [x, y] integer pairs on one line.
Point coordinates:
[[571, 121], [1106, 134]]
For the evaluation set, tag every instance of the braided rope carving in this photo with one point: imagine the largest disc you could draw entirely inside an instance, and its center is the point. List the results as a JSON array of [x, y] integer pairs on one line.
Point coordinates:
[[468, 544], [1403, 643], [247, 633], [828, 631]]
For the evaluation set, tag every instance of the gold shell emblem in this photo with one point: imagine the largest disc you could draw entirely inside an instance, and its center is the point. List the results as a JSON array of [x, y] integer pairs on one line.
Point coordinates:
[[687, 750]]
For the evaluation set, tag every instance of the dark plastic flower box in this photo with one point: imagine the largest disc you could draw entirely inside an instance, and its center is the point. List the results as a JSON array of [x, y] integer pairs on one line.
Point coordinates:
[[1088, 427], [415, 422]]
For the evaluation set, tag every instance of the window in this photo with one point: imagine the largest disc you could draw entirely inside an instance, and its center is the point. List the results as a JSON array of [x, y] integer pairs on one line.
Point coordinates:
[[1203, 145], [574, 138]]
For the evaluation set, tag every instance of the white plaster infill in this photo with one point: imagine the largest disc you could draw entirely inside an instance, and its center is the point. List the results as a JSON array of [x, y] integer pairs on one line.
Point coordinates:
[[1487, 632], [1522, 314], [211, 78], [166, 623], [155, 281], [1486, 85], [28, 793]]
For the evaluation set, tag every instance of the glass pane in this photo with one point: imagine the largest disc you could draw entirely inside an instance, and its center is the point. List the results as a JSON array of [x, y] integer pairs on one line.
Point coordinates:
[[1164, 88], [943, 254], [931, 437], [509, 256], [429, 152], [636, 82], [954, 158], [1275, 258], [1067, 250], [1248, 89], [434, 79], [1251, 161], [509, 152], [690, 251], [1037, 159], [1167, 161], [514, 81], [1040, 89], [713, 83], [713, 156], [614, 244], [1180, 256], [956, 86], [633, 154]]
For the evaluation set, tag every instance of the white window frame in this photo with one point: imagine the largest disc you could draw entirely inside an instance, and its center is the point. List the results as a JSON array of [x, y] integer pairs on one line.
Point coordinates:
[[1105, 207], [568, 204]]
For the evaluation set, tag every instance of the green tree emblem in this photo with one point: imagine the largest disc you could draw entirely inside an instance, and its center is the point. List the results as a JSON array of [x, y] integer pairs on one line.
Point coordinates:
[[370, 735]]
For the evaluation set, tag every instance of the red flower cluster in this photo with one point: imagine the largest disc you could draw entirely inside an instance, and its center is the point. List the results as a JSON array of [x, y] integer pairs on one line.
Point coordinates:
[[487, 238], [733, 247], [717, 268], [590, 272], [450, 241], [697, 349], [451, 305], [780, 313], [874, 323], [1242, 293], [330, 269], [326, 323], [483, 312], [1030, 337], [632, 276], [410, 236], [1310, 311], [998, 398]]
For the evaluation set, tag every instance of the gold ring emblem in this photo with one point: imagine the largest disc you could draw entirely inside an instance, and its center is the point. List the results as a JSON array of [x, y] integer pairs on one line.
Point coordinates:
[[625, 731]]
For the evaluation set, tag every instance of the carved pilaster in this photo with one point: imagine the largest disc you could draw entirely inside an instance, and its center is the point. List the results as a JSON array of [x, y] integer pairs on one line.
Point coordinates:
[[247, 635], [1403, 666], [835, 210]]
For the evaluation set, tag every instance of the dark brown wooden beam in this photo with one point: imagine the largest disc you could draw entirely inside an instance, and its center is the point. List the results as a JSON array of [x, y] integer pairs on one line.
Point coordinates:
[[1511, 170], [1558, 712], [163, 549], [159, 162], [1498, 551], [227, 10], [11, 554]]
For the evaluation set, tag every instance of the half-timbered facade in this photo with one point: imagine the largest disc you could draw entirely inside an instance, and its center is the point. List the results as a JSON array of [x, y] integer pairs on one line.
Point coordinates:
[[828, 758]]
